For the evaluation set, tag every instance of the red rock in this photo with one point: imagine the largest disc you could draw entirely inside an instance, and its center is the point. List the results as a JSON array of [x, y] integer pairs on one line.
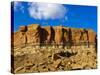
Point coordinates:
[[33, 27], [76, 34], [58, 35], [65, 35], [91, 36], [19, 38], [33, 34], [46, 34], [23, 28]]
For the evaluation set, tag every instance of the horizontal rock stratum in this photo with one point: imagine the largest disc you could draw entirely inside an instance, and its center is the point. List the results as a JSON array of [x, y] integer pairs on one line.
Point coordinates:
[[37, 35]]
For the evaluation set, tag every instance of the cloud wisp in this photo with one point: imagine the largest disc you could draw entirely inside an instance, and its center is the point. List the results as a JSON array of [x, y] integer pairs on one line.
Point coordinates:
[[18, 6], [46, 11]]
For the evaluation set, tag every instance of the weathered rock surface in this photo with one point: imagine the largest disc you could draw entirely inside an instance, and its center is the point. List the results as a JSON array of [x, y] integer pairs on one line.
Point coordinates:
[[19, 38], [66, 35], [44, 60], [33, 34], [46, 34], [78, 52], [59, 35], [91, 36]]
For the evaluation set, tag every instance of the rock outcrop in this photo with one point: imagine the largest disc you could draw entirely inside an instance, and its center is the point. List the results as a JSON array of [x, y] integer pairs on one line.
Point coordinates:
[[18, 38], [53, 48], [33, 34], [46, 34], [36, 35], [58, 35]]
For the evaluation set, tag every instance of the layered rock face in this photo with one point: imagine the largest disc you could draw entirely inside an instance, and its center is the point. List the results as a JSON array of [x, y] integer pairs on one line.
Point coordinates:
[[58, 35], [33, 34]]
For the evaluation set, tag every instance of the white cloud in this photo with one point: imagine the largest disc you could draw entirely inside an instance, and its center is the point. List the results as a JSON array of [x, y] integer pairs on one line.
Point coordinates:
[[18, 6], [46, 11]]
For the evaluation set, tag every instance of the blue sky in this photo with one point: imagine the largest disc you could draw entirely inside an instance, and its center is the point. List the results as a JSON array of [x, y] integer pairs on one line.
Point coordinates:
[[76, 16]]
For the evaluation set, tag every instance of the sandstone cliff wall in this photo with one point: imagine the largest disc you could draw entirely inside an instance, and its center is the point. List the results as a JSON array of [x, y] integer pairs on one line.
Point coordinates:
[[36, 35]]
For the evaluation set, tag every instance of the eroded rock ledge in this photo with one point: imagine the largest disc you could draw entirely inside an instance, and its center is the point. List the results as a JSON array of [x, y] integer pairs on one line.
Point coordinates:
[[34, 34]]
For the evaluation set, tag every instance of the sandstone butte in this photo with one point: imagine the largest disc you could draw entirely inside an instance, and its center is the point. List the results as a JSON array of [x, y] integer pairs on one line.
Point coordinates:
[[58, 35]]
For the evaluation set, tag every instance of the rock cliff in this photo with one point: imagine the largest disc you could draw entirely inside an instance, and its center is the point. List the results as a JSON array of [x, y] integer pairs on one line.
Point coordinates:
[[36, 35]]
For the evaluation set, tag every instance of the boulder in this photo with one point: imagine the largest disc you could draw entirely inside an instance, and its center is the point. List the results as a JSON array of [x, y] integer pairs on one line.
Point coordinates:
[[56, 63]]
